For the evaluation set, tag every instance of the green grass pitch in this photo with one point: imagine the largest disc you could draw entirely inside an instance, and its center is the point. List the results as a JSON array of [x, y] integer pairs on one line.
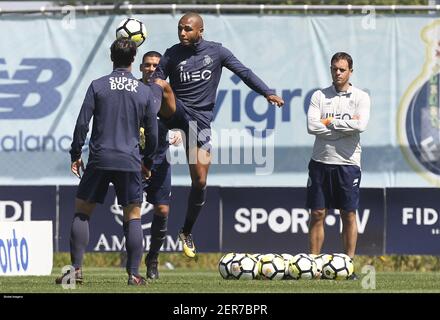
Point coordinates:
[[114, 280]]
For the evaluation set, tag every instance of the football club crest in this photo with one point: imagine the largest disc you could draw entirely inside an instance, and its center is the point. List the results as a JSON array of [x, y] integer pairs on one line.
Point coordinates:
[[207, 60], [418, 122]]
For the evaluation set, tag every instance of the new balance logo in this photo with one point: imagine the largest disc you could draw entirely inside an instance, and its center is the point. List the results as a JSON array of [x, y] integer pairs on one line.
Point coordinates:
[[355, 182], [31, 92]]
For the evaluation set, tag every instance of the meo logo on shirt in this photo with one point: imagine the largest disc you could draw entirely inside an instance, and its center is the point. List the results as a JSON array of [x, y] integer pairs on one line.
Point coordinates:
[[195, 75], [188, 76]]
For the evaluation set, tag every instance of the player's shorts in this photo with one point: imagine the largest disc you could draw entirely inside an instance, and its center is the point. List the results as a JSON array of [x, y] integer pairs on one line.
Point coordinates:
[[94, 185], [196, 125], [333, 186], [158, 186]]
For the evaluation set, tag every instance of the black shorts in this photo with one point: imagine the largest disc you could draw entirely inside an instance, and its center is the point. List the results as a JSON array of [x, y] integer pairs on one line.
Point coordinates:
[[94, 185], [158, 186], [196, 125], [333, 186]]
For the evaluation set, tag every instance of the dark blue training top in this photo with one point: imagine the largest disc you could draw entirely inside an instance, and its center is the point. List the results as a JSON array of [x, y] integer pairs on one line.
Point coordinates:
[[195, 72], [119, 104], [162, 138], [163, 144]]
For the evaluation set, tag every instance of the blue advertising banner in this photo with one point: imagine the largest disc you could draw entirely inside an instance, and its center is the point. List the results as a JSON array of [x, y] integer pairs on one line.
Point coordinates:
[[413, 224], [24, 203], [206, 231], [274, 220], [249, 219], [106, 223]]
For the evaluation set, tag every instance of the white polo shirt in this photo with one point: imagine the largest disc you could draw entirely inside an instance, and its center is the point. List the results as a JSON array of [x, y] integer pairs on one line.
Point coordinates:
[[339, 142]]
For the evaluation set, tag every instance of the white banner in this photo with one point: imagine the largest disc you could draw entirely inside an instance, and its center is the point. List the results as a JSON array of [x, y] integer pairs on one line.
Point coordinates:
[[26, 248]]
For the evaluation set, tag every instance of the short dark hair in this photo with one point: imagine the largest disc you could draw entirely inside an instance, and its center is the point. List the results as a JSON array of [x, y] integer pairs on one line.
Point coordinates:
[[151, 54], [342, 56], [123, 51], [195, 15]]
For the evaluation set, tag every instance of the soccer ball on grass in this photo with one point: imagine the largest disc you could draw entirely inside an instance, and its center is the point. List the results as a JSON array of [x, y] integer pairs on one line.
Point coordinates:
[[271, 267], [339, 267], [302, 266], [321, 260], [224, 265], [244, 267]]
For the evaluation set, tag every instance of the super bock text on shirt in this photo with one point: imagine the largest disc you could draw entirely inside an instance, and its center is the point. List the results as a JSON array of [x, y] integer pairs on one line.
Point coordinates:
[[119, 105], [123, 83]]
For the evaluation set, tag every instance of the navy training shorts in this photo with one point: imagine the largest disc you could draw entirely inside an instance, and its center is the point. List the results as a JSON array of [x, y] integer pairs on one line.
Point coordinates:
[[158, 186], [195, 123], [333, 186], [94, 184]]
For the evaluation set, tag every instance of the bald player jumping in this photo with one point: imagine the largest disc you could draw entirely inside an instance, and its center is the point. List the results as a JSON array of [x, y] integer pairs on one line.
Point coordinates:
[[194, 68]]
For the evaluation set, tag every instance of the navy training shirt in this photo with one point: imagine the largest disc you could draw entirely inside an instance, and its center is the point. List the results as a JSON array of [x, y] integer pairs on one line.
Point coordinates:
[[195, 72], [163, 144], [120, 105]]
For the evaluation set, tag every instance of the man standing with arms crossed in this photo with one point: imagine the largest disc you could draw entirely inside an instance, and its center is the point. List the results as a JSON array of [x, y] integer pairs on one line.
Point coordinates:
[[336, 116], [194, 69]]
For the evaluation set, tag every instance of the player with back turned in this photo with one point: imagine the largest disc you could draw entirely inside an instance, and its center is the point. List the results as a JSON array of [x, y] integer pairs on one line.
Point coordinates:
[[119, 105]]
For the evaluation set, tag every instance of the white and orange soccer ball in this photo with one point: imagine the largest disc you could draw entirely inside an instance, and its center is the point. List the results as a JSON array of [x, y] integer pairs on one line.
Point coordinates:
[[133, 29]]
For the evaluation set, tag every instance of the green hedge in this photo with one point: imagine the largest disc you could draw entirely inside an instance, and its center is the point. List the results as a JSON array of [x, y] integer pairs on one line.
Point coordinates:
[[209, 261]]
